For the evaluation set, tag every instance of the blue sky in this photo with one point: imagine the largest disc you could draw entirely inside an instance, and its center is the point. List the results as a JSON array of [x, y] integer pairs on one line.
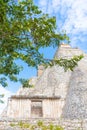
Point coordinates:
[[71, 15]]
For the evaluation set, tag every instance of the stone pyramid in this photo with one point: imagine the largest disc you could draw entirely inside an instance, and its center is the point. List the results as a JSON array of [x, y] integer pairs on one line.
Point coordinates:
[[70, 87]]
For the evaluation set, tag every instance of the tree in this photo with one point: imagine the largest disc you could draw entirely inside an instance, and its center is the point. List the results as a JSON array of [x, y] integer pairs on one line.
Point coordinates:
[[24, 29]]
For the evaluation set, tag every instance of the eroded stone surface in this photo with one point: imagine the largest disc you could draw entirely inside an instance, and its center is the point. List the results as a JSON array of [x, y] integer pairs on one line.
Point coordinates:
[[52, 83]]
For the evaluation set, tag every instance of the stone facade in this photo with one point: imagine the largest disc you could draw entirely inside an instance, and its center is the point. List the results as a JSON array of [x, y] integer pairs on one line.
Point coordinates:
[[56, 94]]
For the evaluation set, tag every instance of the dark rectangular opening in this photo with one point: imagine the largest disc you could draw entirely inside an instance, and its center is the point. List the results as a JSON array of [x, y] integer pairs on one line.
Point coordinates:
[[36, 109]]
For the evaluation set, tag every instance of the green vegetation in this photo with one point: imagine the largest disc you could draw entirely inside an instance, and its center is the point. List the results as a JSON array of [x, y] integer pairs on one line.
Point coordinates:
[[24, 29], [40, 125], [1, 97]]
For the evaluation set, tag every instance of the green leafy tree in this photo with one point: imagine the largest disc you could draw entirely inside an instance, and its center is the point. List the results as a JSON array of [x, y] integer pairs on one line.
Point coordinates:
[[24, 29]]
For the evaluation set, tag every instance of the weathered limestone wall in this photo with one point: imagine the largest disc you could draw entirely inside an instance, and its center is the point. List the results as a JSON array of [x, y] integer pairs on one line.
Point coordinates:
[[52, 108], [71, 87], [76, 99], [54, 81], [19, 108]]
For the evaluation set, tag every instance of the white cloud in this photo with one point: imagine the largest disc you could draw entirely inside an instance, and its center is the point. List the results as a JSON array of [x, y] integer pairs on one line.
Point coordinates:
[[43, 5], [76, 17], [55, 5], [49, 6], [74, 12], [43, 2], [72, 17]]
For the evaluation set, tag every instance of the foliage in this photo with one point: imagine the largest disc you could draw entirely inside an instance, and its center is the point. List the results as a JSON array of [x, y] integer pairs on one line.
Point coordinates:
[[1, 98], [65, 63], [40, 126], [12, 124], [23, 125], [24, 29]]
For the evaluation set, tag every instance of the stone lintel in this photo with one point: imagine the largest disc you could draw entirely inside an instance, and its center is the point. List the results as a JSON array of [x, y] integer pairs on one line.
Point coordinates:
[[34, 97]]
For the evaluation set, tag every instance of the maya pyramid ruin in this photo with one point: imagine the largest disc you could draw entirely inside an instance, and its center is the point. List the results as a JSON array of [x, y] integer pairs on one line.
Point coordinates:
[[56, 93]]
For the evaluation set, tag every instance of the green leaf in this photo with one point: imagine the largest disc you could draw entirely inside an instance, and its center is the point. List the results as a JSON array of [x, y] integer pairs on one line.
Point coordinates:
[[24, 29]]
